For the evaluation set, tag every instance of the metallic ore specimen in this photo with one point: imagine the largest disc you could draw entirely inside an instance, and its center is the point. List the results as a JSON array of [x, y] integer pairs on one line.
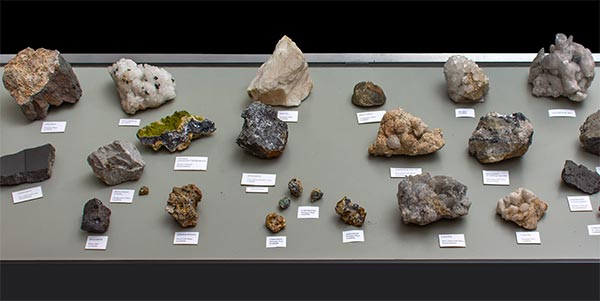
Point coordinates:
[[589, 133], [182, 204], [284, 203], [263, 135], [275, 222], [144, 190], [295, 187], [466, 82], [27, 166], [368, 94], [580, 177], [522, 207], [117, 162], [350, 213], [316, 194], [96, 217]]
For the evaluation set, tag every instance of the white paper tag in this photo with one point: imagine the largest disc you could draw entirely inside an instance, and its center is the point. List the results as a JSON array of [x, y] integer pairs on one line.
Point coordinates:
[[27, 194], [561, 113], [308, 212], [528, 238], [369, 117], [96, 242], [594, 229], [452, 241], [496, 177], [288, 116], [598, 169], [276, 242], [580, 203], [54, 126], [122, 196], [353, 236], [404, 172], [464, 113], [190, 163], [258, 179], [257, 189], [185, 238], [129, 122]]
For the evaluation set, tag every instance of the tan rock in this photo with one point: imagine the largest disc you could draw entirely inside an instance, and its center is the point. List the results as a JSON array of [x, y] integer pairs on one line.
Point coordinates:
[[523, 207], [275, 222]]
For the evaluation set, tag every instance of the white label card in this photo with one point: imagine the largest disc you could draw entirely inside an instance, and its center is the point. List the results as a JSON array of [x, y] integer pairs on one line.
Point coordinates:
[[580, 203], [276, 242], [561, 113], [464, 113], [369, 117], [308, 212], [598, 169], [528, 238], [96, 242], [257, 189], [190, 163], [594, 229], [404, 172], [496, 177], [288, 116], [353, 236], [185, 238], [452, 241], [129, 122], [122, 196], [258, 179], [27, 194], [54, 126]]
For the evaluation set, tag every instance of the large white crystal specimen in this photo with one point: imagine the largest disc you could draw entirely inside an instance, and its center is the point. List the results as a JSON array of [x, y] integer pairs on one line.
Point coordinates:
[[465, 81]]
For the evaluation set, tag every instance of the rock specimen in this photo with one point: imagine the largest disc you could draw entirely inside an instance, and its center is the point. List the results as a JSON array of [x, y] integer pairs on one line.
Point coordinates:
[[182, 204], [295, 187], [498, 137], [568, 70], [523, 207], [424, 199], [580, 177], [144, 190], [275, 222], [141, 86], [27, 166], [175, 132], [96, 217], [284, 203], [283, 80], [263, 134], [465, 81], [39, 78], [316, 195], [117, 162], [350, 213], [368, 94], [401, 133], [589, 133]]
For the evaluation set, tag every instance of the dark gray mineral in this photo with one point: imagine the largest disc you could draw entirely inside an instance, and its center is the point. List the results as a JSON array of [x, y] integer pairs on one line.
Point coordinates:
[[263, 134], [580, 177], [96, 217], [589, 133], [295, 187], [368, 94], [350, 213], [27, 166], [284, 203], [316, 194], [117, 162]]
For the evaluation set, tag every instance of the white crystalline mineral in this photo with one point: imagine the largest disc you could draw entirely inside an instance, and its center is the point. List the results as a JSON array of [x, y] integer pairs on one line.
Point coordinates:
[[141, 86], [466, 82]]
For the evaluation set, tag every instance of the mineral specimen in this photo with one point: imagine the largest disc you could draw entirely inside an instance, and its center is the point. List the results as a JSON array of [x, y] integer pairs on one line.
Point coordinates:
[[316, 195], [523, 207], [144, 190], [117, 162], [465, 81], [283, 80], [182, 204], [141, 86], [401, 133], [275, 222], [589, 133], [424, 199], [96, 217], [568, 70], [580, 177], [295, 187], [175, 132], [498, 137], [27, 166], [368, 94], [350, 213], [284, 203], [263, 134], [39, 78]]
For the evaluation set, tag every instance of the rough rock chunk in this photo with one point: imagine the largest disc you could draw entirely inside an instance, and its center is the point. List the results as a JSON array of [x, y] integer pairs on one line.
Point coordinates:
[[465, 81], [523, 207], [40, 78], [499, 137], [141, 86], [144, 190], [117, 162], [350, 213], [284, 203], [263, 134], [283, 80], [182, 204], [589, 133], [568, 70], [424, 199], [580, 177], [368, 94], [295, 187], [275, 222], [401, 133], [27, 166], [96, 217], [316, 194]]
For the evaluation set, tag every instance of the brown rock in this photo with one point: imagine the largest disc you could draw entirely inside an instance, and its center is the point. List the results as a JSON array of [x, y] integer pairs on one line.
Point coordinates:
[[295, 187], [350, 213], [182, 204], [522, 207], [368, 94], [144, 190], [275, 222]]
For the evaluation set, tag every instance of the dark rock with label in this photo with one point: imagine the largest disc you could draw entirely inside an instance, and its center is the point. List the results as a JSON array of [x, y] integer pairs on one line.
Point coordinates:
[[263, 135], [316, 194], [580, 177], [284, 203], [368, 94], [589, 133], [117, 162], [295, 187], [275, 222], [424, 199], [465, 81], [96, 217], [350, 213], [27, 166], [182, 204], [144, 190], [522, 207]]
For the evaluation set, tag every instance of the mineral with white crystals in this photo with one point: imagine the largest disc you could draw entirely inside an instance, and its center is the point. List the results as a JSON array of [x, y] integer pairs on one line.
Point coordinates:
[[523, 207], [263, 134], [465, 81], [117, 162]]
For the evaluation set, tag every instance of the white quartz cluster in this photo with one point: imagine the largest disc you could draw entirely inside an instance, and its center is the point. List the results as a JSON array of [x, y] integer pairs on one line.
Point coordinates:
[[465, 81]]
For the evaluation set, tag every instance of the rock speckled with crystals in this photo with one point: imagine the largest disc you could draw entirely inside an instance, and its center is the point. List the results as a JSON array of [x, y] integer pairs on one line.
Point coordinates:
[[27, 166], [182, 204], [96, 217], [350, 213], [275, 222], [523, 207], [284, 203], [580, 177], [295, 187], [465, 81], [589, 133], [316, 194], [175, 132], [117, 162], [368, 94], [263, 134]]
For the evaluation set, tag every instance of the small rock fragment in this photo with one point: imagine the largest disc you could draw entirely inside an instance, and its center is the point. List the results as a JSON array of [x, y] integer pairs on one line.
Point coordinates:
[[27, 166], [96, 217], [263, 134], [368, 94], [275, 222], [350, 213], [580, 177], [316, 195], [295, 187], [523, 207], [466, 82], [117, 162], [182, 204], [284, 203], [589, 133], [144, 190]]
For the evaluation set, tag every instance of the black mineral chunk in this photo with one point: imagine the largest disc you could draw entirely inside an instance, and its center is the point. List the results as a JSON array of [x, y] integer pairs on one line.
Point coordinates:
[[263, 134], [96, 217], [27, 166], [580, 177]]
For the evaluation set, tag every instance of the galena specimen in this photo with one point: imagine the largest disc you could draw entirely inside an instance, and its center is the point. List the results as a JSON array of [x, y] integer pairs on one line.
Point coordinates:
[[465, 81], [350, 213], [263, 134], [117, 162], [27, 166], [523, 207], [368, 94], [295, 187], [96, 217], [275, 222], [580, 177], [182, 204], [316, 194], [284, 203], [589, 133]]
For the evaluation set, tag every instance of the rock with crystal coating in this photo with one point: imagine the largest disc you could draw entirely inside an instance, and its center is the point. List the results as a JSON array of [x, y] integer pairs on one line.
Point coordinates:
[[589, 133], [263, 134], [27, 166], [283, 80], [96, 217], [523, 207], [182, 204], [350, 213], [401, 133], [568, 70], [465, 81], [39, 78], [295, 187], [368, 94], [580, 177], [424, 199], [498, 137], [275, 222], [117, 162]]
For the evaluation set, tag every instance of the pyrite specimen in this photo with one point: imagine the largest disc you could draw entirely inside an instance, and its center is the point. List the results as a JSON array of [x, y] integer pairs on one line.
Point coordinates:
[[424, 199], [295, 187], [568, 70], [141, 86], [39, 78], [368, 94], [263, 135], [580, 177], [175, 132], [589, 133], [401, 133], [117, 162], [275, 222], [27, 166], [144, 190], [182, 204], [465, 81], [499, 137], [350, 213], [96, 217], [316, 194], [284, 203], [523, 207], [283, 80]]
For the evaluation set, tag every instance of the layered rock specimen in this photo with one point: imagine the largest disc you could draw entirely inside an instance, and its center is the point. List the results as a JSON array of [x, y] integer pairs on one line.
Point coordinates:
[[350, 213], [401, 133], [368, 94], [96, 217], [589, 133], [275, 222], [141, 86], [284, 203], [499, 137], [175, 132], [316, 194], [117, 162], [295, 187], [465, 81], [27, 166], [263, 134], [144, 190], [39, 78], [523, 207], [283, 80], [182, 204], [568, 70], [580, 177], [424, 199]]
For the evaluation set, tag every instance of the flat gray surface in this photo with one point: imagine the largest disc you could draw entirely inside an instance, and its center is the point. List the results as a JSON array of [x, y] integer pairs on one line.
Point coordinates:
[[327, 148]]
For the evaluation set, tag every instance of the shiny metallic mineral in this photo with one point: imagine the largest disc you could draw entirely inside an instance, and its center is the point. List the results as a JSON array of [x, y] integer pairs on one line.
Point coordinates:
[[522, 207], [284, 203], [144, 190], [350, 213], [117, 162], [96, 217], [27, 166], [275, 222], [316, 194], [368, 94], [182, 204], [263, 135], [589, 133], [295, 187], [580, 177]]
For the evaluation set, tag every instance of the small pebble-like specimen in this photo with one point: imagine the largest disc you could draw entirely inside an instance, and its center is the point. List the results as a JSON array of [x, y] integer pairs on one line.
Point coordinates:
[[39, 78], [96, 217], [27, 166], [580, 177], [316, 194], [284, 203], [295, 187], [589, 133], [368, 94], [144, 190], [350, 213], [523, 207], [117, 162], [275, 222], [465, 81], [499, 137], [263, 134], [182, 204]]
